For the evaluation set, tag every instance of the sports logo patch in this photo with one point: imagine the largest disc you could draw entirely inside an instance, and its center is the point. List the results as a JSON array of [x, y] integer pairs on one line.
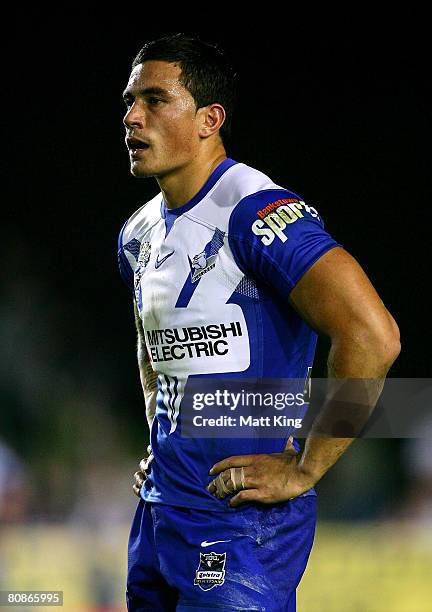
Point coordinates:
[[272, 205], [159, 262], [284, 212], [211, 570]]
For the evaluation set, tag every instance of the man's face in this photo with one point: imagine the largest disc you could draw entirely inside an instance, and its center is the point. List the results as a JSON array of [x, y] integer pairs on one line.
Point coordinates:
[[161, 114]]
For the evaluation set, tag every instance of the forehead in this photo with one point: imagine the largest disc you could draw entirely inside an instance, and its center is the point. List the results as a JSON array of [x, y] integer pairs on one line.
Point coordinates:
[[155, 73]]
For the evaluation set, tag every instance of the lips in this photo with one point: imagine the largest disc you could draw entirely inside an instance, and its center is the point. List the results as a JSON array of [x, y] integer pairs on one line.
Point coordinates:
[[135, 144]]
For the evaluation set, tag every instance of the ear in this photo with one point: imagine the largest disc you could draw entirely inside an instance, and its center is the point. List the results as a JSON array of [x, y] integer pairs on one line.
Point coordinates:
[[210, 119]]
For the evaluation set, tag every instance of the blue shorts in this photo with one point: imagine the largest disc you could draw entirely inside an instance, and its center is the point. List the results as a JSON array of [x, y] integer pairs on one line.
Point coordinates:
[[188, 559]]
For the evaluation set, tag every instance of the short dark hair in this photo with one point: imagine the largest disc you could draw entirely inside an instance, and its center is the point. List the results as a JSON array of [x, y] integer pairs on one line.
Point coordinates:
[[206, 71]]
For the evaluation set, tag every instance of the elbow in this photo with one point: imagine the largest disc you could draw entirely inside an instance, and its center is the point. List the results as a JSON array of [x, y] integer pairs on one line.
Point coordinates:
[[365, 351], [393, 343], [387, 344], [391, 351]]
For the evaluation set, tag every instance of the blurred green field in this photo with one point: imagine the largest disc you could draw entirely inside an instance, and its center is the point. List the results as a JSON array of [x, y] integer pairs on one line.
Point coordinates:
[[371, 567], [353, 567]]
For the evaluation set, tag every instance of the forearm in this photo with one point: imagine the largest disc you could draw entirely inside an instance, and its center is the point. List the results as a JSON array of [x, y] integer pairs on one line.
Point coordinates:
[[356, 375], [149, 386], [147, 375]]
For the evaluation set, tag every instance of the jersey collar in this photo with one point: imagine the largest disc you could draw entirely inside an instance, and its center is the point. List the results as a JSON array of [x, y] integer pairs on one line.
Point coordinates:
[[211, 181]]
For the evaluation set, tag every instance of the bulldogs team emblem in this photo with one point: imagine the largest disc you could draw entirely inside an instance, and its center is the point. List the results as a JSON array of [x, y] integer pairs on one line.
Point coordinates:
[[211, 570], [201, 264], [143, 259], [144, 254]]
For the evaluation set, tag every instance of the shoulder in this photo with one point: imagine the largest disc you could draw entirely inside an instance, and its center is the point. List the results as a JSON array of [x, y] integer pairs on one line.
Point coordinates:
[[264, 205], [141, 221], [269, 212], [237, 183], [274, 234], [243, 181], [132, 235]]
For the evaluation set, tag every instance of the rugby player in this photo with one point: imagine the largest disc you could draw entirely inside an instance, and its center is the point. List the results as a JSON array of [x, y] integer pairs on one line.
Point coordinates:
[[232, 275]]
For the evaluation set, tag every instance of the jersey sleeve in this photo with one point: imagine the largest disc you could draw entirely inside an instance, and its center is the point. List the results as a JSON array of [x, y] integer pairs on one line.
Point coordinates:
[[276, 237], [126, 271]]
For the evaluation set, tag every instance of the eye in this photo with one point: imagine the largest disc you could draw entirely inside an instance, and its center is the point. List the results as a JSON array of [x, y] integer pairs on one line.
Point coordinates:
[[154, 101]]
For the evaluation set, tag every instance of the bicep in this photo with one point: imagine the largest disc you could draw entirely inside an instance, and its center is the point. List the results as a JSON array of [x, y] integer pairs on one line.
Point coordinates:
[[338, 300]]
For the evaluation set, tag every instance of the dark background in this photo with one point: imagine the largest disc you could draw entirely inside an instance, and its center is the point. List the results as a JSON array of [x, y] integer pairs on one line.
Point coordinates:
[[341, 118]]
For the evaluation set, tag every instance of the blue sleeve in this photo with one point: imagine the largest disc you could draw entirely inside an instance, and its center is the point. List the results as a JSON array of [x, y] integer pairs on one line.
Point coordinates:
[[276, 237], [124, 266]]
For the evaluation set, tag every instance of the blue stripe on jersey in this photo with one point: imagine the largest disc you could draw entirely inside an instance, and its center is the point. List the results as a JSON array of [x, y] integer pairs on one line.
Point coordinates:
[[133, 246], [125, 270], [211, 249], [169, 217], [174, 418], [170, 401], [173, 397], [216, 242], [169, 407]]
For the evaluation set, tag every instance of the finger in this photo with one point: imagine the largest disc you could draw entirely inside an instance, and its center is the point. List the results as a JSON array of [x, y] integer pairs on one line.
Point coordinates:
[[237, 481], [136, 490], [249, 478], [243, 478], [139, 481], [145, 464], [290, 449], [234, 480], [149, 449], [221, 485], [212, 488], [235, 461], [289, 443], [244, 496], [230, 487]]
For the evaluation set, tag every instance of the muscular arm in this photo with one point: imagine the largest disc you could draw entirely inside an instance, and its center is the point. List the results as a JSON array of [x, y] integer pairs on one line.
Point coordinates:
[[147, 375], [337, 299]]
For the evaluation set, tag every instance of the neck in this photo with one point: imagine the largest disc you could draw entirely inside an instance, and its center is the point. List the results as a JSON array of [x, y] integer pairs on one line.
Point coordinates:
[[180, 186]]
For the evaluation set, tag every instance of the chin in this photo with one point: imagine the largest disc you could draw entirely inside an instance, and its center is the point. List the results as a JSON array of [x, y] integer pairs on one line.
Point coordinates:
[[140, 172], [157, 168]]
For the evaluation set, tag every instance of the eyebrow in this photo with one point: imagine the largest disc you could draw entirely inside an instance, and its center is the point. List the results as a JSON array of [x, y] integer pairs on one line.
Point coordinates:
[[145, 92]]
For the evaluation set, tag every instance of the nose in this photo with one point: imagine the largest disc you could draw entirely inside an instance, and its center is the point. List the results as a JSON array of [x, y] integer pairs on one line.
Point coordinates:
[[134, 117]]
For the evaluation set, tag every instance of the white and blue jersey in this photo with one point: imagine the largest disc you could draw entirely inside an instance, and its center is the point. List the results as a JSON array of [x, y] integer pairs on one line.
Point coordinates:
[[211, 281]]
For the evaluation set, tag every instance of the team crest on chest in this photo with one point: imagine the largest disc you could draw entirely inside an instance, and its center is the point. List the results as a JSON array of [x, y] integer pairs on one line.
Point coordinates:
[[142, 261], [144, 254], [211, 570], [201, 264]]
